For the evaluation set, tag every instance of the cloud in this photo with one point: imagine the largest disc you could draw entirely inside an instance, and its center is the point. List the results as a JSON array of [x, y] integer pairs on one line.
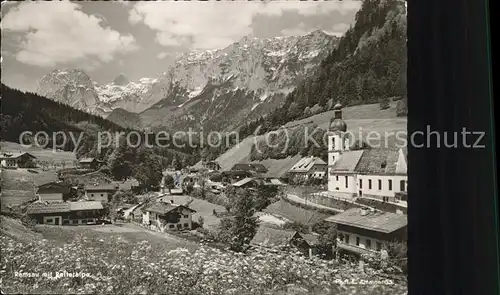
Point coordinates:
[[211, 25], [19, 81], [162, 55], [296, 31], [338, 29], [59, 32]]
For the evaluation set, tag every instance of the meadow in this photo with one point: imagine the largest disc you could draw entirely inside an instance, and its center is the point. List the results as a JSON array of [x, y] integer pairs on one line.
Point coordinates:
[[50, 155], [117, 263], [361, 120], [18, 186]]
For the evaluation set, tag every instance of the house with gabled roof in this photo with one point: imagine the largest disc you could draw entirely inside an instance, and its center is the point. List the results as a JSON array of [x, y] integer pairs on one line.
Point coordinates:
[[52, 192], [100, 192], [163, 216], [249, 182], [65, 213], [90, 163], [274, 238], [308, 167], [17, 160], [363, 230], [251, 167]]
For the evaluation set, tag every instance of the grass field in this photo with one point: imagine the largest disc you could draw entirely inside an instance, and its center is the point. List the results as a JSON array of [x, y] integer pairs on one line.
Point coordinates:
[[18, 185], [361, 120], [42, 154], [104, 235], [138, 262]]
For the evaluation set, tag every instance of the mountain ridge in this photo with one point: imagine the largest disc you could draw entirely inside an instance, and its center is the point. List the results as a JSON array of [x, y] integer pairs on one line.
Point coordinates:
[[259, 66]]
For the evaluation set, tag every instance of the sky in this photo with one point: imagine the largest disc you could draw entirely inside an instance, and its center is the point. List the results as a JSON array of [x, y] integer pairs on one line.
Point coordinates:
[[141, 39]]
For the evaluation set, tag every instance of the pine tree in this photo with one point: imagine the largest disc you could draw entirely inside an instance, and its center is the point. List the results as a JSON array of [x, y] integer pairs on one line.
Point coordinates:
[[242, 226]]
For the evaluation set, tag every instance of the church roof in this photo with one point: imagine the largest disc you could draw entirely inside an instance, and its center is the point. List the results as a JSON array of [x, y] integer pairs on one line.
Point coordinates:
[[348, 161], [378, 161]]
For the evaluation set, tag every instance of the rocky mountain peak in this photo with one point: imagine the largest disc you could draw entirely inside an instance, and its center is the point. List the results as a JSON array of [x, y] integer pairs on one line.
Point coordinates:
[[121, 80]]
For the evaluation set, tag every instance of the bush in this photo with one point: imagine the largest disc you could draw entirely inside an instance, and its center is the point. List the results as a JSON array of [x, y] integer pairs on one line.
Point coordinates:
[[402, 108], [119, 267], [384, 103]]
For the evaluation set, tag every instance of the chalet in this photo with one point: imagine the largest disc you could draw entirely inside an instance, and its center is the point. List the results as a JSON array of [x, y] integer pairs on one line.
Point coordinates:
[[66, 213], [273, 238], [232, 176], [167, 216], [135, 213], [246, 183], [274, 182], [250, 167], [128, 184], [379, 173], [52, 192], [307, 168], [212, 165], [90, 163], [100, 192], [17, 160], [362, 230]]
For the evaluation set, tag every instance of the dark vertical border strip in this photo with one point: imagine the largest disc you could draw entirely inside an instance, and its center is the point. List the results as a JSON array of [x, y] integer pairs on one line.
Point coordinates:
[[453, 222]]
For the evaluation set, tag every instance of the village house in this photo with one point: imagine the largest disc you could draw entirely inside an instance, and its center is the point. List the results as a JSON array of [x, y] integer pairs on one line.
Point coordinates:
[[232, 176], [273, 238], [66, 213], [135, 213], [250, 167], [100, 192], [212, 166], [379, 173], [248, 182], [17, 160], [363, 230], [90, 163], [307, 168], [167, 216], [52, 192]]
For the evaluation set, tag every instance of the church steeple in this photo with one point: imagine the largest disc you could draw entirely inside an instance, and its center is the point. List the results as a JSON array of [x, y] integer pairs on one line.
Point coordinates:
[[338, 124]]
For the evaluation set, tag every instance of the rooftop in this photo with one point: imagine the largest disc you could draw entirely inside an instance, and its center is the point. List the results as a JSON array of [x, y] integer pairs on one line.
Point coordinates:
[[53, 187], [101, 187], [311, 239], [268, 237], [379, 221], [243, 182], [15, 155], [348, 161], [88, 160], [40, 208], [378, 161], [250, 167], [305, 164], [295, 213], [164, 208], [87, 205]]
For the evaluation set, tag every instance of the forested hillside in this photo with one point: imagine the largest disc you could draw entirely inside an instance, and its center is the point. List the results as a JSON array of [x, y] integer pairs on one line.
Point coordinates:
[[369, 65], [30, 112]]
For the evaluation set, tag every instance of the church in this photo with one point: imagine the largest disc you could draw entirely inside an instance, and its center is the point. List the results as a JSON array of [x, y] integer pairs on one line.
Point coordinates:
[[379, 173]]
